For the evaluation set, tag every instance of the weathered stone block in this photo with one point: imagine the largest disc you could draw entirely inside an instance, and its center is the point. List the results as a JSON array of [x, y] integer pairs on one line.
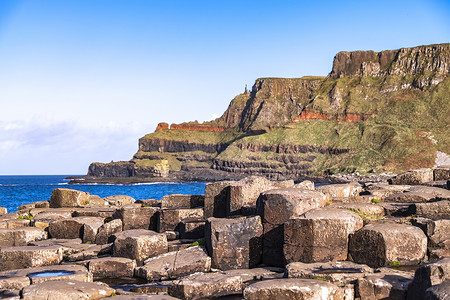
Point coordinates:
[[170, 219], [175, 201], [13, 283], [276, 207], [418, 176], [192, 229], [119, 200], [340, 190], [433, 210], [379, 245], [66, 290], [72, 228], [135, 216], [175, 264], [442, 173], [384, 285], [438, 292], [206, 286], [139, 244], [105, 231], [90, 229], [68, 198], [319, 235], [429, 275], [234, 243], [29, 256], [112, 267], [292, 288], [3, 211], [216, 196], [21, 236], [101, 212]]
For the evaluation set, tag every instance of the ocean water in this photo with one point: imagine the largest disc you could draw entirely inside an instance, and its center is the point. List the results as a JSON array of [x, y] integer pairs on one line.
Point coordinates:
[[18, 190]]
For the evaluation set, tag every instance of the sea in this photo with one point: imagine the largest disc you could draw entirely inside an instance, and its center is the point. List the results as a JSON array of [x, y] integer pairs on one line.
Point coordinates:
[[23, 189]]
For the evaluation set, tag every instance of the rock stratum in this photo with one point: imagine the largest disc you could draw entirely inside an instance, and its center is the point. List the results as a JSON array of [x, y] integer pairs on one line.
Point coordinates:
[[375, 112]]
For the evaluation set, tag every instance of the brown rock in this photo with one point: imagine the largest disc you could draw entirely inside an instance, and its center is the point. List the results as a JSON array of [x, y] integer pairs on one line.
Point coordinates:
[[319, 235], [216, 195], [370, 210], [21, 236], [427, 276], [139, 244], [278, 206], [3, 211], [178, 245], [206, 285], [140, 296], [119, 200], [68, 198], [90, 229], [410, 197], [379, 245], [192, 229], [52, 215], [384, 285], [13, 283], [72, 228], [105, 231], [438, 292], [234, 243], [442, 173], [175, 264], [112, 267], [66, 290], [306, 185], [170, 219], [418, 176], [292, 288], [340, 190], [175, 201], [134, 216], [249, 276], [433, 210], [101, 212], [29, 256]]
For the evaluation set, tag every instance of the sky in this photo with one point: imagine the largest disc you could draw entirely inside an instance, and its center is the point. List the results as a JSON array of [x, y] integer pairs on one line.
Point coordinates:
[[83, 80]]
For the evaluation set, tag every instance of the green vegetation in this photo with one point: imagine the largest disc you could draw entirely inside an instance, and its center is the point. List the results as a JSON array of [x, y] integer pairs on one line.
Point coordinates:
[[27, 217], [199, 137], [199, 242], [321, 278], [375, 201], [394, 264]]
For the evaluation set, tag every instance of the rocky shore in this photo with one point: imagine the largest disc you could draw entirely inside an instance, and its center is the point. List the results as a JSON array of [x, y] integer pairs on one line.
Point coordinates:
[[245, 239]]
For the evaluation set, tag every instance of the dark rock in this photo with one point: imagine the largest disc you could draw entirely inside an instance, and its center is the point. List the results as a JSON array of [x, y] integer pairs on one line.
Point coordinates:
[[170, 219], [72, 228], [418, 176], [192, 229], [434, 210], [66, 290], [134, 216], [438, 292], [384, 285], [105, 232], [427, 276], [112, 267], [175, 201], [442, 173]]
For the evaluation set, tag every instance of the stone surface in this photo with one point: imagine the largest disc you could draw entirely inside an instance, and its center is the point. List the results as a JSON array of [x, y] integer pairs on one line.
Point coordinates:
[[216, 195], [192, 229], [169, 219], [384, 285], [382, 244], [398, 209], [340, 190], [434, 210], [410, 197], [21, 236], [276, 207], [9, 294], [53, 214], [175, 264], [112, 267], [71, 228], [418, 176], [319, 235], [90, 230], [66, 290], [135, 216], [119, 200], [369, 210], [3, 211], [29, 256], [442, 173], [14, 282], [206, 285], [340, 273], [292, 288], [105, 232], [429, 275], [102, 212], [139, 244], [175, 201], [234, 243], [140, 296], [438, 292], [68, 198], [249, 276], [382, 190]]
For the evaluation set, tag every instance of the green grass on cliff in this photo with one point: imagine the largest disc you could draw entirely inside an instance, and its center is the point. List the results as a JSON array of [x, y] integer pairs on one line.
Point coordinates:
[[200, 137]]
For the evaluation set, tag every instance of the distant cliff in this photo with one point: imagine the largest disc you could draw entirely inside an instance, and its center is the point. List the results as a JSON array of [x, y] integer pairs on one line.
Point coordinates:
[[374, 112]]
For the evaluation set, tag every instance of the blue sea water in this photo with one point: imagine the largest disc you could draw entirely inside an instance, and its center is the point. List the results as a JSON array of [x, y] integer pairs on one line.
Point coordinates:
[[18, 190]]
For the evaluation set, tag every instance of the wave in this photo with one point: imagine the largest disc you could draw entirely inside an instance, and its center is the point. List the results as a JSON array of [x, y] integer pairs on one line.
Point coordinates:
[[152, 183]]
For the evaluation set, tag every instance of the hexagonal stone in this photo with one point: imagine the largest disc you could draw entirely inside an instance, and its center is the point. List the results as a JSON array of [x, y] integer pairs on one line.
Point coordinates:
[[192, 229], [105, 232], [66, 290], [175, 201], [433, 210], [370, 210], [72, 228], [206, 285], [379, 245], [119, 200], [29, 256], [52, 215], [293, 288], [170, 219], [340, 190], [389, 284], [429, 275], [438, 292], [216, 195], [68, 198], [175, 264], [135, 216], [101, 212], [276, 207], [51, 273], [319, 235], [442, 173], [112, 267], [418, 176], [139, 244], [234, 243], [340, 273], [21, 236]]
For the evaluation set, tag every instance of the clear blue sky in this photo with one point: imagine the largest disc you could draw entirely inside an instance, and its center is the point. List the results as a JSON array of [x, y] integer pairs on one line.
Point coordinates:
[[82, 80]]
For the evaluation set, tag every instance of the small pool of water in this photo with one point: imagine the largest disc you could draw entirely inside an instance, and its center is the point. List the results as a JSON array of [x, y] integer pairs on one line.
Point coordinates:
[[51, 274], [3, 277]]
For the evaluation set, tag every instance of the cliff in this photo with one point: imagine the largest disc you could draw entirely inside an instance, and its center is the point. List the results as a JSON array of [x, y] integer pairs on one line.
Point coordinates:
[[374, 112]]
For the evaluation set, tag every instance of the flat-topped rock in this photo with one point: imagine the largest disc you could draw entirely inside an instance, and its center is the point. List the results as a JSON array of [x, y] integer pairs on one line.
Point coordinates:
[[433, 210], [72, 228], [68, 198], [107, 230], [119, 200], [276, 207], [51, 273], [14, 283], [112, 267], [206, 285], [29, 256], [340, 190], [135, 216], [379, 245], [418, 176], [141, 297], [370, 210], [384, 285], [319, 235], [438, 292], [339, 272], [66, 290], [170, 219], [175, 264], [382, 190], [53, 214], [102, 212], [293, 288], [442, 173], [21, 236], [234, 243], [139, 244], [9, 294], [175, 201], [249, 276], [429, 275]]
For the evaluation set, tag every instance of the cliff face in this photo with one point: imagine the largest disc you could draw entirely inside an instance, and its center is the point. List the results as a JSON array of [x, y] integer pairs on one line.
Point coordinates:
[[382, 111]]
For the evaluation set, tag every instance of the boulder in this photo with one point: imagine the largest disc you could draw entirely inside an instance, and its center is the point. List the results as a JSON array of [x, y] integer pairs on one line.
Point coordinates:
[[340, 273], [380, 191], [216, 196], [367, 210], [170, 219], [175, 264], [306, 185], [234, 243], [72, 228], [175, 201], [387, 284], [438, 292], [112, 267], [66, 290], [276, 207], [340, 190], [90, 252], [379, 245], [410, 197], [398, 209], [14, 223], [68, 198], [21, 236], [90, 229], [3, 211], [319, 235], [429, 275], [29, 256], [433, 210], [418, 176], [105, 232], [135, 216], [293, 288], [442, 173], [249, 276], [440, 233], [13, 282], [52, 215], [119, 200], [139, 244], [206, 285], [101, 212], [9, 294], [192, 229]]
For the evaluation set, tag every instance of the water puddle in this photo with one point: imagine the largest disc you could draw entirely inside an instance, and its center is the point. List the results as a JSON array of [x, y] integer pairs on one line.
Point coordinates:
[[51, 274]]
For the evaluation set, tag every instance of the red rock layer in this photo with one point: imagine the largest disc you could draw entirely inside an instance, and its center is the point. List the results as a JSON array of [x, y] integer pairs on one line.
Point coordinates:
[[349, 117], [162, 126]]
